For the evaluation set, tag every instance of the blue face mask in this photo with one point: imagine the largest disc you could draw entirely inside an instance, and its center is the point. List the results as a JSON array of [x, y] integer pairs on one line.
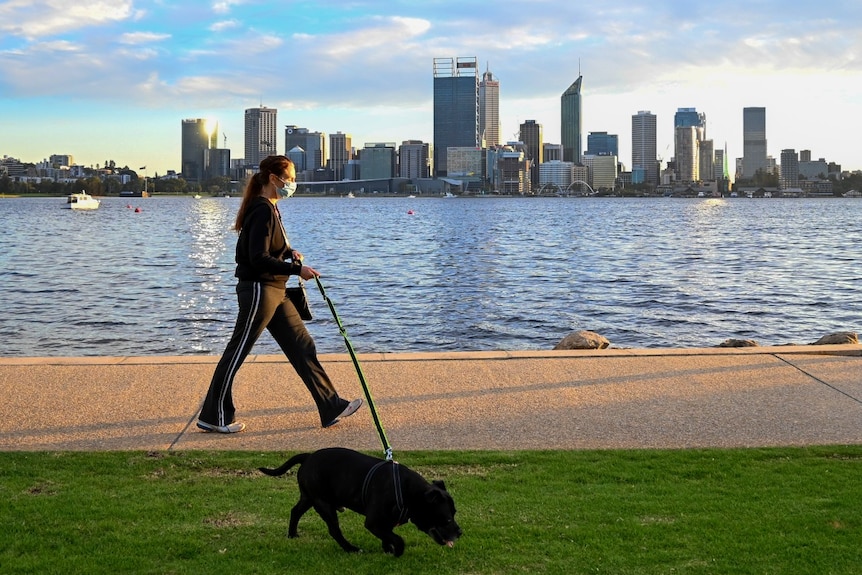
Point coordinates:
[[288, 190]]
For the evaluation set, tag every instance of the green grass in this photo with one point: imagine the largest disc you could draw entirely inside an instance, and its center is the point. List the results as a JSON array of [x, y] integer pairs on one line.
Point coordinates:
[[763, 511]]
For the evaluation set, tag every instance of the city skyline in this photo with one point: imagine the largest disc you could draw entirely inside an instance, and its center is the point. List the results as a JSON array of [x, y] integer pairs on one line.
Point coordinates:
[[113, 81]]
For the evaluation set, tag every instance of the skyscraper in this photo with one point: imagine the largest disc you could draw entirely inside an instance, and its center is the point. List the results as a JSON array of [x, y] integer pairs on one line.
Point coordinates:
[[706, 157], [689, 132], [603, 144], [789, 169], [261, 134], [456, 107], [198, 137], [340, 153], [570, 122], [686, 143], [489, 110], [378, 161], [413, 159], [644, 154], [753, 141], [720, 166], [312, 143], [688, 117], [531, 136]]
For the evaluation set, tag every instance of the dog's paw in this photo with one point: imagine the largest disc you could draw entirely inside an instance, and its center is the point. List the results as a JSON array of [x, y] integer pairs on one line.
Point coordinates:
[[394, 546]]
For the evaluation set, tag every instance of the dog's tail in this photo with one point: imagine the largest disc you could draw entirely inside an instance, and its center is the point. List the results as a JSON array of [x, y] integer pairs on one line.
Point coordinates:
[[300, 458]]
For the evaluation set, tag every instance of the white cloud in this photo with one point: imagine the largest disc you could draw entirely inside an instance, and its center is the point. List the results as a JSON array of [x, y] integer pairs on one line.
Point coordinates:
[[36, 19], [224, 6], [57, 46], [138, 54], [366, 67], [224, 25], [255, 43], [143, 37], [389, 32]]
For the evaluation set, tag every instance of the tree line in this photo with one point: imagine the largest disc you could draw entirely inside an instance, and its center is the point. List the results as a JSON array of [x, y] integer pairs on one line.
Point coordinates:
[[113, 186]]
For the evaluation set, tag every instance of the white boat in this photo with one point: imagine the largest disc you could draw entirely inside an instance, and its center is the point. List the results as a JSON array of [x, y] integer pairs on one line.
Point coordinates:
[[82, 201], [350, 195], [197, 196]]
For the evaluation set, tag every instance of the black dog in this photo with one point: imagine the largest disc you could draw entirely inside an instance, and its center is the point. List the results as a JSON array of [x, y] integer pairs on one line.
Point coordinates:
[[386, 493]]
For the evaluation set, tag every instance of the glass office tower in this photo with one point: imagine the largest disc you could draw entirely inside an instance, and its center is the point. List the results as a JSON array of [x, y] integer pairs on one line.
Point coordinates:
[[689, 132], [313, 145], [645, 163], [603, 144], [531, 136], [198, 137], [456, 107], [753, 141], [570, 122]]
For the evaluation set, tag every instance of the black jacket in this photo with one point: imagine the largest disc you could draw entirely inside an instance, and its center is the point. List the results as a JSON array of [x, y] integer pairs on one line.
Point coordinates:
[[263, 253]]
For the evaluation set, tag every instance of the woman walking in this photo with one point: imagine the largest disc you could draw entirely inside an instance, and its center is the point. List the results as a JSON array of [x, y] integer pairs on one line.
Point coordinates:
[[264, 261]]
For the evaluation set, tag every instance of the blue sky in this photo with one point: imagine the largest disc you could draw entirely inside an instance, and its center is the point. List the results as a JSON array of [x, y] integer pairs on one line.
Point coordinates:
[[113, 79]]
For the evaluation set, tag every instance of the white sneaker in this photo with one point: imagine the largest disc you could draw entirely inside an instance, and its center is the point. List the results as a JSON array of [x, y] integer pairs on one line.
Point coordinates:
[[234, 427], [348, 411]]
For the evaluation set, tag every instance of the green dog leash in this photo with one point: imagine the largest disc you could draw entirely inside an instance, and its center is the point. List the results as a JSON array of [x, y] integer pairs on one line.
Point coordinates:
[[387, 449]]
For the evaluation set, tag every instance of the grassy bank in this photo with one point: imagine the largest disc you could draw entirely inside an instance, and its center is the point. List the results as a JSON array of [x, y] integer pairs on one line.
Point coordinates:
[[784, 510]]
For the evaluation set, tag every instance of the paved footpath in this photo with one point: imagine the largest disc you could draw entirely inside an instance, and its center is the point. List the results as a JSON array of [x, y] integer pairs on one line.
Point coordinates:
[[646, 398]]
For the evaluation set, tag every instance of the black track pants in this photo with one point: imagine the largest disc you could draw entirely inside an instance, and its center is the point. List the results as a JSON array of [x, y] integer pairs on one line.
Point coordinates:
[[265, 306]]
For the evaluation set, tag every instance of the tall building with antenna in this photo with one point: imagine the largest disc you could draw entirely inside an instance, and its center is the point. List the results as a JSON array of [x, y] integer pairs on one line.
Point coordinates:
[[570, 122], [456, 108], [261, 134], [489, 110]]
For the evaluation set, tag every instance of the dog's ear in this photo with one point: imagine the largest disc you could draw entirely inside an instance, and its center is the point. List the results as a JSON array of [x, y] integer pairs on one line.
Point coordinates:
[[440, 484]]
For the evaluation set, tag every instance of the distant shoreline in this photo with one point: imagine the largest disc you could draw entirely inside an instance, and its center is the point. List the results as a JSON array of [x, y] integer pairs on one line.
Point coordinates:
[[437, 196]]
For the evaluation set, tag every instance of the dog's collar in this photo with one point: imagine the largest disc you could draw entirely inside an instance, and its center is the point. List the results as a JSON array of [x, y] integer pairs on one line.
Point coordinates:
[[396, 480]]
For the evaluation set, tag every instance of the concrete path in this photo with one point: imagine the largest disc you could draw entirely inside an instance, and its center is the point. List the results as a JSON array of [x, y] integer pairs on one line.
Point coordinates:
[[715, 397]]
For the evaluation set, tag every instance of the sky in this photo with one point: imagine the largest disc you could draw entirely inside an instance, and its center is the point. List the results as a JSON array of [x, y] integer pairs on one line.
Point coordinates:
[[113, 79]]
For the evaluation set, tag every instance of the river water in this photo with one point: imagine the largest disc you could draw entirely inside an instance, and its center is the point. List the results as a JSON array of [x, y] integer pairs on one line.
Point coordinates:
[[431, 274]]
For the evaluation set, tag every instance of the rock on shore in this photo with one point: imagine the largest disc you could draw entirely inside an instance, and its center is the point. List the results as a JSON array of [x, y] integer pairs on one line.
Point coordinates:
[[838, 338], [585, 339]]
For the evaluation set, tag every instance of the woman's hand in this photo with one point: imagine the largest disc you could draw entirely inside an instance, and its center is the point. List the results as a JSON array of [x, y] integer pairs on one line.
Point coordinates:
[[296, 256], [308, 273]]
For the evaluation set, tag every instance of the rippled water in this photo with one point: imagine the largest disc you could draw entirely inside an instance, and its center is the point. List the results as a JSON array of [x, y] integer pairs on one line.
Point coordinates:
[[457, 274]]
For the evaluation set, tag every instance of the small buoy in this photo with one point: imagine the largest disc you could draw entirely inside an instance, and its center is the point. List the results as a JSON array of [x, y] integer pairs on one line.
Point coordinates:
[[138, 210], [409, 212], [129, 206]]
